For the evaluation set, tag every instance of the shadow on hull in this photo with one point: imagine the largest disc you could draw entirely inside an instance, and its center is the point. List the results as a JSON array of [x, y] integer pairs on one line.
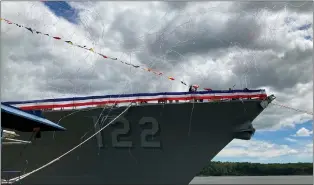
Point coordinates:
[[149, 144]]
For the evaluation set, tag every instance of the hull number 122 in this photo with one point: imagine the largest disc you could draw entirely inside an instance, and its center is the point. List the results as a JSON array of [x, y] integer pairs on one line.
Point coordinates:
[[126, 130]]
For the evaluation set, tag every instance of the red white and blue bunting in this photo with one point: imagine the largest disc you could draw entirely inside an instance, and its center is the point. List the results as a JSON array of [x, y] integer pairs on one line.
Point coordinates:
[[137, 98]]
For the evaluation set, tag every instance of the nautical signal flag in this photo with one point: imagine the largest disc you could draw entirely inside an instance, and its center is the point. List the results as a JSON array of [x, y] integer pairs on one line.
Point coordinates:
[[69, 42], [29, 29], [92, 50], [102, 55], [196, 86]]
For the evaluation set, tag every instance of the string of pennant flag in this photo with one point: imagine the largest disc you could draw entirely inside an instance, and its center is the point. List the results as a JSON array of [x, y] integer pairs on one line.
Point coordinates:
[[116, 59], [100, 54]]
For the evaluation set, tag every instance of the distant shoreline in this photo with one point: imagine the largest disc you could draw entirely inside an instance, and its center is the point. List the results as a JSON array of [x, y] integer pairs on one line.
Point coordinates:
[[259, 176], [285, 179], [234, 169]]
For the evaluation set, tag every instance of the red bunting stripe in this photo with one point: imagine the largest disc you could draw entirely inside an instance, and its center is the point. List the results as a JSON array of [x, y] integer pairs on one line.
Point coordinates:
[[138, 100]]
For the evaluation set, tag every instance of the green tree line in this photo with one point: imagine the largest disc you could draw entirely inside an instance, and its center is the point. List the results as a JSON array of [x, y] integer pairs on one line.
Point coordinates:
[[255, 169]]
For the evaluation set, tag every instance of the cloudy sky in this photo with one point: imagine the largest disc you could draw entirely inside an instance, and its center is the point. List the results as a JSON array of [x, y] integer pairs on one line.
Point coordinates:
[[213, 44]]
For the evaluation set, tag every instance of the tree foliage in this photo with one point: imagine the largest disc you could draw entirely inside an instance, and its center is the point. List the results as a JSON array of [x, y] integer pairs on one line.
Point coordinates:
[[255, 169]]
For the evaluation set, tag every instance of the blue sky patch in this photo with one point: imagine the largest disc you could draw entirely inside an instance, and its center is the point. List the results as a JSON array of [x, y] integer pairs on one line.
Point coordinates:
[[308, 37], [279, 136], [63, 9], [305, 27], [284, 136]]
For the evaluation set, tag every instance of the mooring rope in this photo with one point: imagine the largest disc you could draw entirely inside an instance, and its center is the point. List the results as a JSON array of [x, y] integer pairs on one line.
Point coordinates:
[[16, 179], [291, 108]]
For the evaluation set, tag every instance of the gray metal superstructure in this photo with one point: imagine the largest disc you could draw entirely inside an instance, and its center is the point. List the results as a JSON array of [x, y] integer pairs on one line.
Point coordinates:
[[149, 144]]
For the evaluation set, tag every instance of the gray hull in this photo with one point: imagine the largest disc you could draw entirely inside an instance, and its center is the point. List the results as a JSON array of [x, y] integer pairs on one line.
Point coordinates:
[[187, 138]]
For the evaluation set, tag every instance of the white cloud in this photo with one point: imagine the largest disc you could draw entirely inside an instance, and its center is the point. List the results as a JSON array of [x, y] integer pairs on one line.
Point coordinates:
[[303, 132], [256, 149], [249, 46], [276, 116], [290, 139], [305, 152], [265, 151]]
